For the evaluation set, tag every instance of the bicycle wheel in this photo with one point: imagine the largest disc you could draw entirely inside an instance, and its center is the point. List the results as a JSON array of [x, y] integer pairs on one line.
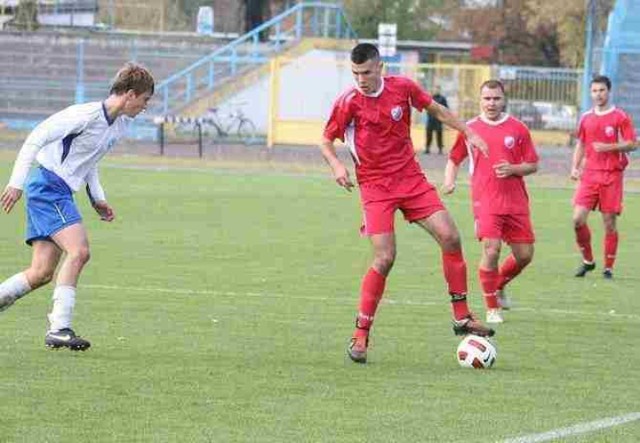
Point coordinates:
[[246, 131]]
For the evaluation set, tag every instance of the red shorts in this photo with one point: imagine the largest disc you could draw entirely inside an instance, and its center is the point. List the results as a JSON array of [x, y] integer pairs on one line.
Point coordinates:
[[512, 228], [413, 195], [600, 190]]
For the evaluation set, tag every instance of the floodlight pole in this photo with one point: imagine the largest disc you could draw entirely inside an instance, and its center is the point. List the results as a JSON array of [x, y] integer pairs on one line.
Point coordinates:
[[588, 56]]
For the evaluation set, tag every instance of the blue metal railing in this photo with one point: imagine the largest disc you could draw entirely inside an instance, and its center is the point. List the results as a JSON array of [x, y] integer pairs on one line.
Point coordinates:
[[622, 37], [304, 19]]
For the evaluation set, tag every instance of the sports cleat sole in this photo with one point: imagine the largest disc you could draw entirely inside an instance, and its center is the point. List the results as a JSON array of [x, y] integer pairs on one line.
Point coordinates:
[[56, 347], [464, 330]]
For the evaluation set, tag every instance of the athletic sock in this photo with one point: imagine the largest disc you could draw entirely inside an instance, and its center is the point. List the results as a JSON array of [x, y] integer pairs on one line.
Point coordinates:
[[508, 271], [610, 249], [489, 282], [15, 286], [583, 239], [455, 273], [64, 300], [371, 292]]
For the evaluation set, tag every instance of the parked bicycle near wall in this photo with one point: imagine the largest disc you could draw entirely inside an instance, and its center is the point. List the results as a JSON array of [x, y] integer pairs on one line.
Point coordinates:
[[229, 126]]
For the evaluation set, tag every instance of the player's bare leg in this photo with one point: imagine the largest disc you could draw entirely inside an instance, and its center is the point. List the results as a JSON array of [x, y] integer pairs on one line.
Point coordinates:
[[520, 257], [74, 242], [443, 229], [488, 275], [44, 260], [610, 243], [373, 283], [583, 239]]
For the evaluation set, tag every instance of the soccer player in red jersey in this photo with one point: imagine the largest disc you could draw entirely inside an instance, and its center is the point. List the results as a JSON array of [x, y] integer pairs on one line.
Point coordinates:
[[374, 119], [605, 135], [498, 193]]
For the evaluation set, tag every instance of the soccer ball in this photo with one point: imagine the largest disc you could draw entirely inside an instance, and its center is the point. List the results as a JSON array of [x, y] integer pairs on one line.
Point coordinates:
[[476, 352]]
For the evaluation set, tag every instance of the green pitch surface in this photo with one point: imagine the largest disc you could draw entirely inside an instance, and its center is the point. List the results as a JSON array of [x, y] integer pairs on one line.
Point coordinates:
[[219, 305]]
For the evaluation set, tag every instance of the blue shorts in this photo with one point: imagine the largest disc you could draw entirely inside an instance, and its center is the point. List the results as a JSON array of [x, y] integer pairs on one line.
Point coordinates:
[[50, 205]]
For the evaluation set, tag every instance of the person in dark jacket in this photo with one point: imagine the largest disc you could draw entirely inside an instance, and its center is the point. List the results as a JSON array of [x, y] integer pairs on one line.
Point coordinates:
[[433, 124]]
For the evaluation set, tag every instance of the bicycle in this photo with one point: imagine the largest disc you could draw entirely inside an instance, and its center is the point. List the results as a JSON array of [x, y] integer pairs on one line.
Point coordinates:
[[241, 126]]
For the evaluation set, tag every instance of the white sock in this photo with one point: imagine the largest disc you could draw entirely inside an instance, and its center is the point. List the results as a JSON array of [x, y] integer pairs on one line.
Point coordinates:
[[64, 299], [15, 287]]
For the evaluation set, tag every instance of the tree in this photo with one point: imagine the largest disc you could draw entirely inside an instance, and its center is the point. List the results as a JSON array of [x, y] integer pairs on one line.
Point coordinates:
[[568, 18], [530, 32], [412, 17]]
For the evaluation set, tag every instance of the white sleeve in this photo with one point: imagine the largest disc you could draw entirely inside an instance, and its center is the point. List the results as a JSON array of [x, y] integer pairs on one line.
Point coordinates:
[[94, 188], [56, 127]]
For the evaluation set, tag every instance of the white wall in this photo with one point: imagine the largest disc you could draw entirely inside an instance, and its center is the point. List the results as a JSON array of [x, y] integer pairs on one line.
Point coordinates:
[[308, 87]]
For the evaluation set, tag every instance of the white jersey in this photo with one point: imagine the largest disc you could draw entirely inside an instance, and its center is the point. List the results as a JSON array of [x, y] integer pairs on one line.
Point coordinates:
[[70, 143]]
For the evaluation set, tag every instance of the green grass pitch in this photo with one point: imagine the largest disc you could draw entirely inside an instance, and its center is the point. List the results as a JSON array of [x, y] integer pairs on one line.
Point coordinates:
[[219, 305]]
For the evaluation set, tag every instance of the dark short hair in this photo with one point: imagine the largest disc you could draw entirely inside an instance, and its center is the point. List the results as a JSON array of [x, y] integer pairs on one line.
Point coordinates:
[[602, 79], [492, 84], [132, 77], [363, 52]]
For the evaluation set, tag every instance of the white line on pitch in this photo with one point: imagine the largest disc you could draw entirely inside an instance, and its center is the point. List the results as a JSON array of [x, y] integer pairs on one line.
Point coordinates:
[[580, 428], [346, 300]]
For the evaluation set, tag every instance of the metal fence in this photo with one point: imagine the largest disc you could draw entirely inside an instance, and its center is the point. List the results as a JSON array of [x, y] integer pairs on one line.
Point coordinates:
[[618, 57]]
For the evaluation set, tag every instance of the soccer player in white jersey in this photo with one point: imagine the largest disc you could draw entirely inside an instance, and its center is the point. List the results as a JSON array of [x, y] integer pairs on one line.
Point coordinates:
[[67, 147]]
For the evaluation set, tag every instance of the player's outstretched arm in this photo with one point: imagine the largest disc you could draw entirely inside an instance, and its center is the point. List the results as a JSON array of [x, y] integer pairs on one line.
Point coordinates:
[[450, 176], [448, 118], [340, 172]]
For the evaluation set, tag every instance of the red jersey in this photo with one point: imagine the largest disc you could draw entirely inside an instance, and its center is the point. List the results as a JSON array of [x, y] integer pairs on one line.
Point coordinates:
[[611, 126], [508, 139], [377, 127]]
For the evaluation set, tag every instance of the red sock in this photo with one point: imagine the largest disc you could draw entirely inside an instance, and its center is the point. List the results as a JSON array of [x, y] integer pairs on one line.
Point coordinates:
[[455, 273], [370, 295], [610, 249], [583, 238], [508, 271], [489, 282]]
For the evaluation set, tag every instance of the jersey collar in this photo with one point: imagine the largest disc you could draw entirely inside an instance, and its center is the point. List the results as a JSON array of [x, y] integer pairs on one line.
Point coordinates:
[[375, 94], [500, 121], [608, 111], [106, 115]]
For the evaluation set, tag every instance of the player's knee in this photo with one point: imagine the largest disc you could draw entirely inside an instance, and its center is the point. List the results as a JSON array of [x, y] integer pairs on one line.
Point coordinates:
[[450, 240], [80, 256], [384, 261], [39, 276], [525, 259], [578, 221], [610, 226], [492, 253]]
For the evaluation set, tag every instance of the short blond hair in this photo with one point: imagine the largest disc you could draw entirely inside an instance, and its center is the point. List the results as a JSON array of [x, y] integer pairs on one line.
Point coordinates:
[[132, 77]]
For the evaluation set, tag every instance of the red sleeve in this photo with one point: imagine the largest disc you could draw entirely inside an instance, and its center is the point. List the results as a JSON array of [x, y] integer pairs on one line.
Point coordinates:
[[459, 150], [341, 117], [420, 98], [529, 154], [627, 131]]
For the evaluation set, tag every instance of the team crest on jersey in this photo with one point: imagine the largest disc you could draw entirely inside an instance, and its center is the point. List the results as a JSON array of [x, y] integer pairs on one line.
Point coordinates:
[[396, 113], [609, 131], [509, 142]]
